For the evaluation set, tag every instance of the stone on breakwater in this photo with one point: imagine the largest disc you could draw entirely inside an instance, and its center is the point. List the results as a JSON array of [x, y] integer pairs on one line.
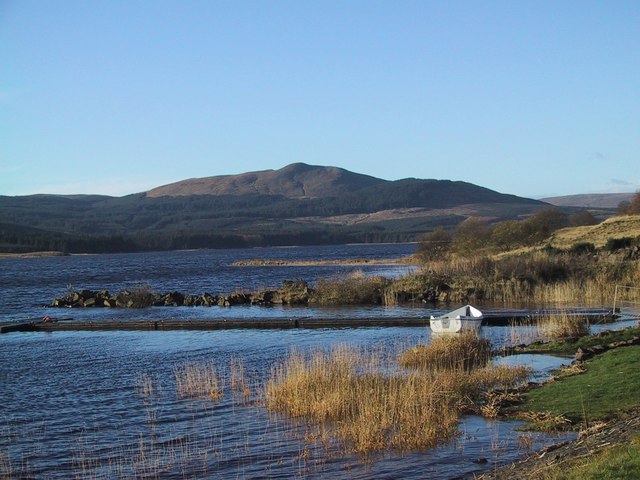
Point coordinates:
[[296, 292], [236, 298], [171, 299]]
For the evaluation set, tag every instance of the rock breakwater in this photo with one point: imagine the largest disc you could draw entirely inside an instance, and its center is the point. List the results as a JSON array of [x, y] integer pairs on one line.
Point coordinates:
[[291, 293]]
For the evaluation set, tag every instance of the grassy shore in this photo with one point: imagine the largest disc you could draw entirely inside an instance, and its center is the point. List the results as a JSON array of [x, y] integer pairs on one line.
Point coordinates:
[[601, 398], [569, 346], [541, 277], [610, 384]]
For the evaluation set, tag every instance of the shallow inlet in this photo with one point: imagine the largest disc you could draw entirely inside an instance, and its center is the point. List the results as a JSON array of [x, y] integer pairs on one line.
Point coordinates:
[[74, 405]]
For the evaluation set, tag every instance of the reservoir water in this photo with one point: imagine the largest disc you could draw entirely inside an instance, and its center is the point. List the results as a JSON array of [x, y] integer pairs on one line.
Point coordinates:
[[104, 404]]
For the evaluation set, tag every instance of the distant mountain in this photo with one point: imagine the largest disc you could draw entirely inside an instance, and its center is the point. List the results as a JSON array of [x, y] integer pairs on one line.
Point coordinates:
[[297, 180], [590, 200], [298, 204]]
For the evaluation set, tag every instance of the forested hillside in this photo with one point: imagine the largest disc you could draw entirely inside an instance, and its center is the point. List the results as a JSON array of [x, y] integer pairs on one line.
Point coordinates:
[[345, 207]]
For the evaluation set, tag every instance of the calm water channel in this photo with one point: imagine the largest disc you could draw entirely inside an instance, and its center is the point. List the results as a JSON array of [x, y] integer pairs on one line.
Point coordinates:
[[73, 404]]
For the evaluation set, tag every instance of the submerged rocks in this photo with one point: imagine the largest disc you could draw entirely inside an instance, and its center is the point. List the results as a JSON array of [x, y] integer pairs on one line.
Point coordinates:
[[583, 354]]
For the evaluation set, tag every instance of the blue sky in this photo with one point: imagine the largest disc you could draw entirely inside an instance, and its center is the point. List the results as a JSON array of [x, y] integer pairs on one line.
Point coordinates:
[[533, 98]]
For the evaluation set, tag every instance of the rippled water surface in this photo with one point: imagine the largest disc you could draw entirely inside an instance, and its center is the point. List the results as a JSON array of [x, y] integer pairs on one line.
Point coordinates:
[[104, 404], [73, 405], [28, 284]]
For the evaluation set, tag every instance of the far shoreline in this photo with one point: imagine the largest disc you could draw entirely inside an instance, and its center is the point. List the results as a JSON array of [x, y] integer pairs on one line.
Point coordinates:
[[310, 263], [53, 253]]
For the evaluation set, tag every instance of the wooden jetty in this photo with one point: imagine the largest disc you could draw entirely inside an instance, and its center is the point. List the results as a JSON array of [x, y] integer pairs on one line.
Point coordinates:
[[492, 318]]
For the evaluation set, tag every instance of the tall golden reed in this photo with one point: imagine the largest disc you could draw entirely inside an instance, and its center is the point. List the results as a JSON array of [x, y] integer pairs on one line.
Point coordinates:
[[465, 351], [197, 380], [368, 409], [563, 325]]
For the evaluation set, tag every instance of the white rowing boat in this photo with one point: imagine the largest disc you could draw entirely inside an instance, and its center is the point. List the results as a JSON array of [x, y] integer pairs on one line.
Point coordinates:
[[466, 318]]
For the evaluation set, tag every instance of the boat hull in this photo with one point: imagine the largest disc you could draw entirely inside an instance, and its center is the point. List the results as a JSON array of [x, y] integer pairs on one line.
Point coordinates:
[[455, 325], [463, 319]]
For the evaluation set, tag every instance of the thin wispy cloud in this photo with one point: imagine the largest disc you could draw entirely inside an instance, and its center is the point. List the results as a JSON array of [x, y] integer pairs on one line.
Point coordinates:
[[600, 157], [617, 181], [619, 185]]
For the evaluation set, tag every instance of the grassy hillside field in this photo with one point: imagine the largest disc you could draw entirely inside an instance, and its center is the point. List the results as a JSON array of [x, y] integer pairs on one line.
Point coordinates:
[[624, 226]]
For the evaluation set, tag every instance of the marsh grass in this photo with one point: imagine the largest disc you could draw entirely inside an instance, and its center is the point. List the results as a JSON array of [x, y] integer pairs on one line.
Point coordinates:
[[544, 276], [198, 380], [563, 325], [465, 352], [369, 405], [523, 333], [239, 383], [146, 385], [369, 411]]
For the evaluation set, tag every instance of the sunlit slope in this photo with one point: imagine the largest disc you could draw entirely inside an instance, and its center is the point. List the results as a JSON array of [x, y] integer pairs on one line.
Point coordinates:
[[612, 228]]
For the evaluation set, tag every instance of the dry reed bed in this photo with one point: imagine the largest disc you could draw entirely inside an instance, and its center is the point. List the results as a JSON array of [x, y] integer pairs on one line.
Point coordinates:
[[463, 352], [564, 325], [353, 289], [344, 391], [537, 277]]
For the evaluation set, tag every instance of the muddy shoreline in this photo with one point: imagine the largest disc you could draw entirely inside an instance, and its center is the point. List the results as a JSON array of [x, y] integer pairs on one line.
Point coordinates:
[[589, 442]]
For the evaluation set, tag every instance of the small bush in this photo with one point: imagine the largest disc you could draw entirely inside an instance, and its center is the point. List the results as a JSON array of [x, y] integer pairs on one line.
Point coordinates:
[[583, 218], [615, 244], [434, 246], [582, 248], [138, 297]]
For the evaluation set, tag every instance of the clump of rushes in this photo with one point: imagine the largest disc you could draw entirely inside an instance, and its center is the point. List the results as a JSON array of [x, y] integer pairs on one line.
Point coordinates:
[[145, 385], [564, 325], [197, 380], [465, 352], [353, 289], [368, 410], [238, 379]]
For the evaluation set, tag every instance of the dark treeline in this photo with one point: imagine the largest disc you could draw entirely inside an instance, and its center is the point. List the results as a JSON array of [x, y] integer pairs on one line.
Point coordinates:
[[630, 208], [31, 240]]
